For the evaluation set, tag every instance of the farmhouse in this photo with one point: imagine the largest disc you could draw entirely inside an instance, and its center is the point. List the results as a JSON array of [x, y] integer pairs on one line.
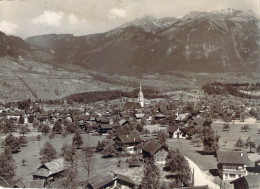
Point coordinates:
[[110, 179], [247, 182], [50, 170], [175, 132], [156, 151], [104, 128], [128, 141], [232, 164]]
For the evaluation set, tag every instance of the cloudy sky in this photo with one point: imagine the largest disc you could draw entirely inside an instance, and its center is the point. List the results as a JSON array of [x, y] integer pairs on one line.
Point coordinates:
[[80, 17]]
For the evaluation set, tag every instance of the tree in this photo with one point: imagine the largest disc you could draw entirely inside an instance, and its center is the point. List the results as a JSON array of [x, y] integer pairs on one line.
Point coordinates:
[[22, 141], [226, 127], [48, 152], [7, 167], [12, 142], [258, 149], [250, 144], [68, 152], [99, 147], [57, 128], [77, 140], [239, 144], [23, 162], [161, 136], [88, 159], [178, 165], [72, 127], [45, 129], [245, 128], [133, 162], [210, 140], [21, 119], [109, 151], [38, 138], [30, 118], [24, 130], [151, 176]]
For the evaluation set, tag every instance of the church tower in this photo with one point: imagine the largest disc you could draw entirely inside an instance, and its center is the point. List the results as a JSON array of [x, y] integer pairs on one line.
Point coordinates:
[[141, 96]]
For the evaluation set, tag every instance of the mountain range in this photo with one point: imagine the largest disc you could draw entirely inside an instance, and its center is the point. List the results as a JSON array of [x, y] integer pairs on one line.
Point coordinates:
[[220, 41]]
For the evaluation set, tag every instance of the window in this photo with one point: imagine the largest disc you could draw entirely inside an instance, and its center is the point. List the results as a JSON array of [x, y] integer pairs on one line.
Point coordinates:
[[232, 176]]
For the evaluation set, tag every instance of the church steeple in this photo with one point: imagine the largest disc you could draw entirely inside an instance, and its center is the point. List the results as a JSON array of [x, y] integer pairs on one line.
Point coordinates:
[[141, 96]]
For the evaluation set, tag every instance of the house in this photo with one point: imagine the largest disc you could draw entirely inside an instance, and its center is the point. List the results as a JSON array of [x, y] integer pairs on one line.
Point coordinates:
[[50, 170], [104, 128], [109, 179], [159, 116], [183, 117], [247, 182], [156, 151], [232, 164], [139, 117], [255, 166], [128, 141], [123, 122], [175, 132], [11, 183]]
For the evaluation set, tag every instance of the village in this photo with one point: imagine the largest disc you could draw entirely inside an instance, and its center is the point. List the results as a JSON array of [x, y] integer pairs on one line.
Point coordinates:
[[187, 140]]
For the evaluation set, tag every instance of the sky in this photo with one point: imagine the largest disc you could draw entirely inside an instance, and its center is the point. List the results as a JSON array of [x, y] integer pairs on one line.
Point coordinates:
[[26, 18]]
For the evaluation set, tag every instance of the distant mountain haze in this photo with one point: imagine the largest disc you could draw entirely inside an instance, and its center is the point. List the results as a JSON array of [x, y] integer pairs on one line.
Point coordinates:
[[219, 41]]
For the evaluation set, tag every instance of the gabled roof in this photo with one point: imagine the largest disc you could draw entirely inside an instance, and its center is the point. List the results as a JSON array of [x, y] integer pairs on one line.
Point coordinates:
[[139, 116], [254, 157], [106, 126], [253, 181], [172, 129], [152, 147], [127, 139], [183, 117], [234, 157], [123, 121], [53, 167], [107, 177], [11, 183]]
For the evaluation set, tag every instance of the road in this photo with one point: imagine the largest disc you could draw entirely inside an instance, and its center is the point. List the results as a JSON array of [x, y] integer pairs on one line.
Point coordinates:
[[200, 177]]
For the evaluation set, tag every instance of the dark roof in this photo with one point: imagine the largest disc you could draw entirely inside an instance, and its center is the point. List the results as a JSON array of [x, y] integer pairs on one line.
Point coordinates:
[[253, 181], [172, 129], [126, 139], [106, 126], [232, 157], [152, 147], [107, 177]]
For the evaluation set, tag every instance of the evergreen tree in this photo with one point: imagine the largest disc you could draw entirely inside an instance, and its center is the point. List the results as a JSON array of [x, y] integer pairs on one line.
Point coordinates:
[[48, 152], [77, 140], [151, 175], [68, 152], [109, 151], [21, 119], [178, 165], [210, 140], [57, 128], [7, 167]]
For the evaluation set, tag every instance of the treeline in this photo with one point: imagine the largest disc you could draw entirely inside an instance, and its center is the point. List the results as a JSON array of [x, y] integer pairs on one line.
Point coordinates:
[[218, 88], [94, 96]]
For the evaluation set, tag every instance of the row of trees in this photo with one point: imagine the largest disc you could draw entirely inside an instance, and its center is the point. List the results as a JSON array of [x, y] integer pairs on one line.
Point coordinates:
[[248, 144]]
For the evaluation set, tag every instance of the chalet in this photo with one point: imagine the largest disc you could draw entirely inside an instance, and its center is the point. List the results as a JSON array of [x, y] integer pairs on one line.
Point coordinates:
[[128, 141], [11, 183], [247, 182], [183, 117], [109, 179], [232, 164], [175, 132], [123, 122], [51, 170], [139, 116], [104, 128], [156, 151], [159, 116]]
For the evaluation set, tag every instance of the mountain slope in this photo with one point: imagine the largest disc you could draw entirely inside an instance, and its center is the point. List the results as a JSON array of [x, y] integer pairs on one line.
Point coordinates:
[[219, 41]]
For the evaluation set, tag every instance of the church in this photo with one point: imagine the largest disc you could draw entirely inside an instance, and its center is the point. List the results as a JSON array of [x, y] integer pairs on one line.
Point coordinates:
[[139, 104]]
